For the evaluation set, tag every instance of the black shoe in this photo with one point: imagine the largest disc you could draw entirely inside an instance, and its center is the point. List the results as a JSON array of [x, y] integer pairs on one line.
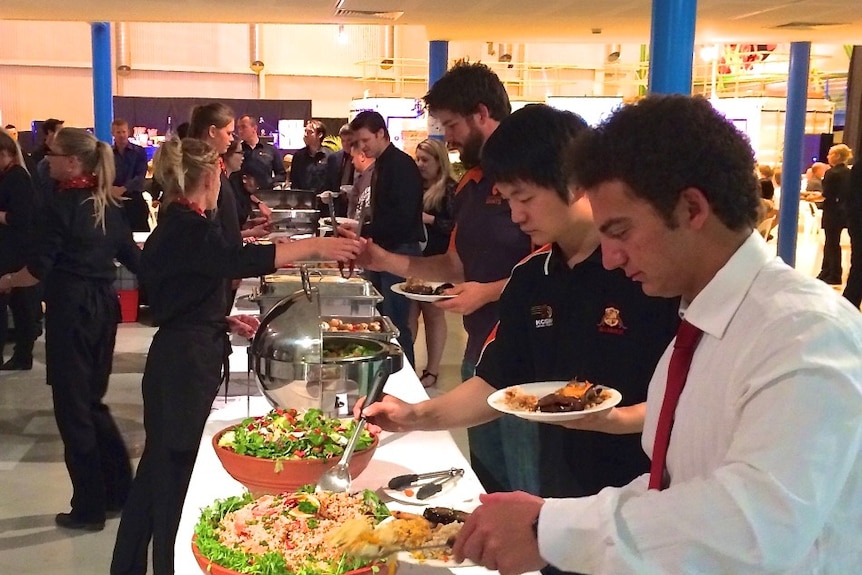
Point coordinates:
[[67, 521], [17, 364]]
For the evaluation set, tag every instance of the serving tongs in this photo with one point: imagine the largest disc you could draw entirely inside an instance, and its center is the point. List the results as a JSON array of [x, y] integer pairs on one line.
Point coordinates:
[[430, 488], [328, 198]]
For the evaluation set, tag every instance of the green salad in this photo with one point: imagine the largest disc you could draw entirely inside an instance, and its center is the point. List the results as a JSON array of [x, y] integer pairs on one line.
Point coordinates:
[[289, 434], [285, 534]]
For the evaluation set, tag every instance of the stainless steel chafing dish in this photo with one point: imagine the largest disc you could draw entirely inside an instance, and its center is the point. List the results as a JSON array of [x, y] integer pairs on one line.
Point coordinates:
[[294, 221], [291, 199], [292, 357], [338, 296]]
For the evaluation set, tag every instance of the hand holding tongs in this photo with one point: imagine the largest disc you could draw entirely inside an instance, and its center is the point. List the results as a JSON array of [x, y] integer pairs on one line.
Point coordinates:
[[427, 489], [328, 198]]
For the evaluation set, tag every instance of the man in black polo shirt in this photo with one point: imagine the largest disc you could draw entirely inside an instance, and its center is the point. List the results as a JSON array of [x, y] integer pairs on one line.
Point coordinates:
[[392, 214], [256, 150], [562, 316]]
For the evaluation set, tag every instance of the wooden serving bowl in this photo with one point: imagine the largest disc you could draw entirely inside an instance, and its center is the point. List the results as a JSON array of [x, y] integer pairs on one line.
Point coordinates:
[[210, 568], [260, 477]]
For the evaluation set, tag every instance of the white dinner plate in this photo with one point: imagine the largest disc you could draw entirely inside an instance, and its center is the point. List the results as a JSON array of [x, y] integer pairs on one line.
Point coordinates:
[[448, 492], [399, 289], [543, 388]]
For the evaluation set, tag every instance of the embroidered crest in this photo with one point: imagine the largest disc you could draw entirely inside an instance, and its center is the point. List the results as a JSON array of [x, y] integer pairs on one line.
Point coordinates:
[[612, 321], [543, 315]]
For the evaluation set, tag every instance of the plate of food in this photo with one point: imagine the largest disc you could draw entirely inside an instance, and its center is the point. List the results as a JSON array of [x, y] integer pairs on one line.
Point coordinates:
[[425, 539], [421, 290], [553, 401]]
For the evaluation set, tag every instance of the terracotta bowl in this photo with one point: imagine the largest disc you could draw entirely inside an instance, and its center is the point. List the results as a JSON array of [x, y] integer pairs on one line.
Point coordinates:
[[210, 568], [260, 477]]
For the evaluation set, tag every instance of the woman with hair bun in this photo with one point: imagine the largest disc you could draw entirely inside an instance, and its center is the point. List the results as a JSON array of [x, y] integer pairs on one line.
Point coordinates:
[[184, 265], [83, 232]]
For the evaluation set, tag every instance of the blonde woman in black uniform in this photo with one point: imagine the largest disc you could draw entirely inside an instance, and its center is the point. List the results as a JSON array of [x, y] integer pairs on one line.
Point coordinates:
[[83, 232], [183, 268]]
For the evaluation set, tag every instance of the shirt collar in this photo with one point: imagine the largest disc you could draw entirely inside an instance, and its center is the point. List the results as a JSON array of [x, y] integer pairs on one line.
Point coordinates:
[[556, 260], [714, 307]]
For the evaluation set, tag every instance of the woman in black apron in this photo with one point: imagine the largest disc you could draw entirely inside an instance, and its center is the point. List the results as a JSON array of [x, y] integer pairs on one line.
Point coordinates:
[[184, 266], [82, 233]]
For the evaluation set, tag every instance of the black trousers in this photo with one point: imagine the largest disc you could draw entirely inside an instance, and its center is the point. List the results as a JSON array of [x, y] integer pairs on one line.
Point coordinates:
[[181, 379], [26, 307], [80, 331], [853, 289], [831, 269]]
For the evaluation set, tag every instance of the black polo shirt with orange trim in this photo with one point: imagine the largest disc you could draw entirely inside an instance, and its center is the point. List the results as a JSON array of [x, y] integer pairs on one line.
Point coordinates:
[[488, 244], [584, 322]]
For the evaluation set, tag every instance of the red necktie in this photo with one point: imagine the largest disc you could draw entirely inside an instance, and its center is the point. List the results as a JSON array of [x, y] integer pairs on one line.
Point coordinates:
[[680, 360]]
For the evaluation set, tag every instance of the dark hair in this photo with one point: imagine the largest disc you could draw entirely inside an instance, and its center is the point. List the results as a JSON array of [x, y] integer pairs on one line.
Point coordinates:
[[319, 128], [665, 144], [212, 114], [464, 87], [529, 146], [234, 146], [9, 127], [183, 131], [371, 121], [51, 125]]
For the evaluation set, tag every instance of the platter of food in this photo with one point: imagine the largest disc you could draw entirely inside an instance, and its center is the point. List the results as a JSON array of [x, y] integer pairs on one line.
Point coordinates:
[[554, 401], [425, 539], [285, 533], [421, 290]]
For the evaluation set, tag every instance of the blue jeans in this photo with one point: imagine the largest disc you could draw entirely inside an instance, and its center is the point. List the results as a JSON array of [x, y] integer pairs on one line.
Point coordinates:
[[504, 452], [397, 307]]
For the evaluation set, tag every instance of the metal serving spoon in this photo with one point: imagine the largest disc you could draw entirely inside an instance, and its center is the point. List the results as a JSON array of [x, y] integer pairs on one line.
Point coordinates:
[[338, 478]]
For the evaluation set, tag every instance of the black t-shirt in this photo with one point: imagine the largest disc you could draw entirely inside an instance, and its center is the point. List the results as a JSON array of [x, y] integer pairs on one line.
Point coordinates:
[[17, 199], [558, 323]]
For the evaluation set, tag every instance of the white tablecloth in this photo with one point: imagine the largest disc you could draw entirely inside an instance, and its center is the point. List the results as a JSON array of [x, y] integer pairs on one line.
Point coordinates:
[[397, 454]]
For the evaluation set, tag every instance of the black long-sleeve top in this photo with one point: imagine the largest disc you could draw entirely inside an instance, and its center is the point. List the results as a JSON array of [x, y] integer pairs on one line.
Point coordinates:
[[72, 243], [17, 200], [396, 200], [267, 155], [184, 266]]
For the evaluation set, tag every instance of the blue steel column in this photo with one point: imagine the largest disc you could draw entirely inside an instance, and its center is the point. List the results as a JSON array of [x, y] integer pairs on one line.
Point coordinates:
[[103, 94], [438, 63], [791, 168], [671, 46]]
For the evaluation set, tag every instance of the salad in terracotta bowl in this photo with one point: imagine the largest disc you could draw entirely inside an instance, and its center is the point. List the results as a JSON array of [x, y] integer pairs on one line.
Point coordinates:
[[286, 449]]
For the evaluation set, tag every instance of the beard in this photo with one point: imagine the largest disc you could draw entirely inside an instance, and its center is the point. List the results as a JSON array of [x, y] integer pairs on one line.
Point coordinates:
[[471, 151]]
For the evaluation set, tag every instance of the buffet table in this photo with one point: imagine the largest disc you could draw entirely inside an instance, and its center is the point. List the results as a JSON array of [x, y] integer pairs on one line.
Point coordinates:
[[397, 454]]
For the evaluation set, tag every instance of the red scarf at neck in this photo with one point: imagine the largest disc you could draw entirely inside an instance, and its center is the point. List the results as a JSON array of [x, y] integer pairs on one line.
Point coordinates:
[[193, 206], [222, 166], [84, 182]]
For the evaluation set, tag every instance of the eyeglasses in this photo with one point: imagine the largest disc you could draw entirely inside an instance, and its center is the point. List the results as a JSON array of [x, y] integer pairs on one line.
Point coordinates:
[[57, 154], [238, 152]]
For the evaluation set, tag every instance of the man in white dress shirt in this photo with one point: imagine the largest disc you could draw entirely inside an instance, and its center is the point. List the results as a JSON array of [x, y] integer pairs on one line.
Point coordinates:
[[765, 454]]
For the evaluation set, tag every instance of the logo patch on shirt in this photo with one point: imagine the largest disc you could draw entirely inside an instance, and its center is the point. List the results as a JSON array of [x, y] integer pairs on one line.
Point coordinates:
[[543, 315], [612, 321]]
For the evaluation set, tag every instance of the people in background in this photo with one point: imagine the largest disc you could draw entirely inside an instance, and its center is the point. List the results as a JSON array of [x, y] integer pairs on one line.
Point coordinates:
[[17, 217], [363, 167], [308, 168], [339, 169], [84, 231], [767, 188], [43, 184], [814, 177], [438, 183], [184, 266], [853, 289], [737, 482], [253, 177], [392, 215], [255, 149], [836, 189], [130, 161], [469, 101]]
